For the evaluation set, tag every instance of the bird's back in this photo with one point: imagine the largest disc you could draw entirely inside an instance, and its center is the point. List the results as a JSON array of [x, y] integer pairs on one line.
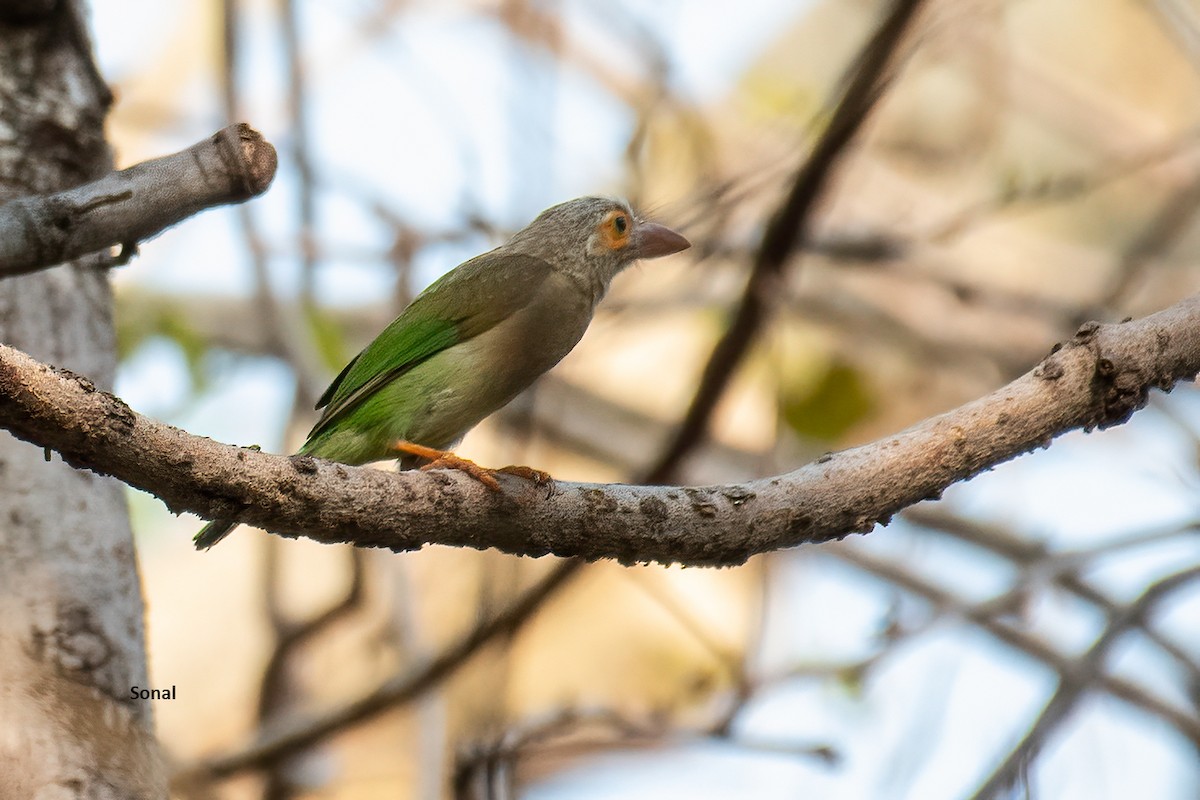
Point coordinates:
[[533, 316]]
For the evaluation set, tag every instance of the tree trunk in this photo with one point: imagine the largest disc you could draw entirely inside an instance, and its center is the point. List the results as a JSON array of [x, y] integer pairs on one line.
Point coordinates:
[[71, 633]]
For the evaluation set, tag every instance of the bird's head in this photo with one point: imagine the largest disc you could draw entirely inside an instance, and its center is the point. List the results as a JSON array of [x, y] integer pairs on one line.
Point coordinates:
[[594, 238]]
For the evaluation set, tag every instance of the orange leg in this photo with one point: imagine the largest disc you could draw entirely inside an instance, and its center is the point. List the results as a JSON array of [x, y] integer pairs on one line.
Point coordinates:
[[444, 459]]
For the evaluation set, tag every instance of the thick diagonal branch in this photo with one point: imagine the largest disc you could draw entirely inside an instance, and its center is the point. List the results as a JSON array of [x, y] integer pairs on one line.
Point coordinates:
[[129, 206], [1097, 379]]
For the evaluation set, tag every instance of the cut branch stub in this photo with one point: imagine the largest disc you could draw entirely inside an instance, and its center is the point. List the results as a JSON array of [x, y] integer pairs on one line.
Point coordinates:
[[134, 204]]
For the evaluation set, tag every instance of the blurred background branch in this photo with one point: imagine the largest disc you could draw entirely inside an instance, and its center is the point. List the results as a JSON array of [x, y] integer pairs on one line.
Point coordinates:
[[866, 83]]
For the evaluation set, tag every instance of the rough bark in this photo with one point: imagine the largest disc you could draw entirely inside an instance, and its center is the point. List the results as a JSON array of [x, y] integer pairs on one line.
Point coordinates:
[[71, 636], [1097, 379], [127, 207]]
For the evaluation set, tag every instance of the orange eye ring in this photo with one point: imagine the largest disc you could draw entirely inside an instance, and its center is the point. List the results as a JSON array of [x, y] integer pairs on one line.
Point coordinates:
[[615, 229]]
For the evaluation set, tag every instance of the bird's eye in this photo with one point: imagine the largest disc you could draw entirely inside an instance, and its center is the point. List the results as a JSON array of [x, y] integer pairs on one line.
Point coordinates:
[[615, 230]]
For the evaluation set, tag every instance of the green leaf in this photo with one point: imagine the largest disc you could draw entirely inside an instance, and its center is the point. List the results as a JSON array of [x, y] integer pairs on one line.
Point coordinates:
[[135, 330], [826, 408], [328, 338]]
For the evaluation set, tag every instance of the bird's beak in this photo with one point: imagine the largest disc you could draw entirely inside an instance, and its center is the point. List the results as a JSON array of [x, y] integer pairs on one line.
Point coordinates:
[[652, 240]]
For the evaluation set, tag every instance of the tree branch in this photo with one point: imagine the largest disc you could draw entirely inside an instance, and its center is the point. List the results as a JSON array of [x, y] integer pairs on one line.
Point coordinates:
[[1033, 560], [296, 734], [1097, 379], [787, 228], [1077, 681], [1036, 647], [126, 207]]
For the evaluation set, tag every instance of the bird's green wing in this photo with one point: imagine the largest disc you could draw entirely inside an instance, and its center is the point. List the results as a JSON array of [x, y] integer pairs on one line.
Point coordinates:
[[463, 303]]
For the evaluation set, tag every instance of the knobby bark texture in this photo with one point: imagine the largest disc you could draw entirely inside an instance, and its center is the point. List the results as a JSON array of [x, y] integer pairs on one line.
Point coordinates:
[[1098, 378], [71, 637]]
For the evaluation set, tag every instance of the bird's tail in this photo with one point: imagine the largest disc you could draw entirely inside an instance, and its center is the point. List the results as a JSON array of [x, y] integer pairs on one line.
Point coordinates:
[[212, 533]]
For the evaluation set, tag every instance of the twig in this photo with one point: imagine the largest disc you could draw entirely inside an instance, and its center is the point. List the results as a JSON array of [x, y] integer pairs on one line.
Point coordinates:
[[1164, 230], [1188, 726], [298, 117], [290, 638], [1075, 682], [1054, 189], [567, 731], [687, 621], [1029, 555], [396, 691], [786, 229], [129, 206]]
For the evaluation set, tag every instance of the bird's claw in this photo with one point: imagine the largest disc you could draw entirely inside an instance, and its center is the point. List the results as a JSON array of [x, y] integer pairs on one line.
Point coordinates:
[[537, 476], [444, 459], [540, 479], [450, 461]]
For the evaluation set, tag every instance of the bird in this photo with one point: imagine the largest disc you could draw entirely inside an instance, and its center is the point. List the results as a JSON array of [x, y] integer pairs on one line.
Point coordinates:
[[475, 339]]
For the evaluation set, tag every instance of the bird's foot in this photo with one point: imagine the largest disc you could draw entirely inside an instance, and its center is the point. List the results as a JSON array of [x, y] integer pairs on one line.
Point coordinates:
[[444, 459], [448, 460], [528, 473]]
